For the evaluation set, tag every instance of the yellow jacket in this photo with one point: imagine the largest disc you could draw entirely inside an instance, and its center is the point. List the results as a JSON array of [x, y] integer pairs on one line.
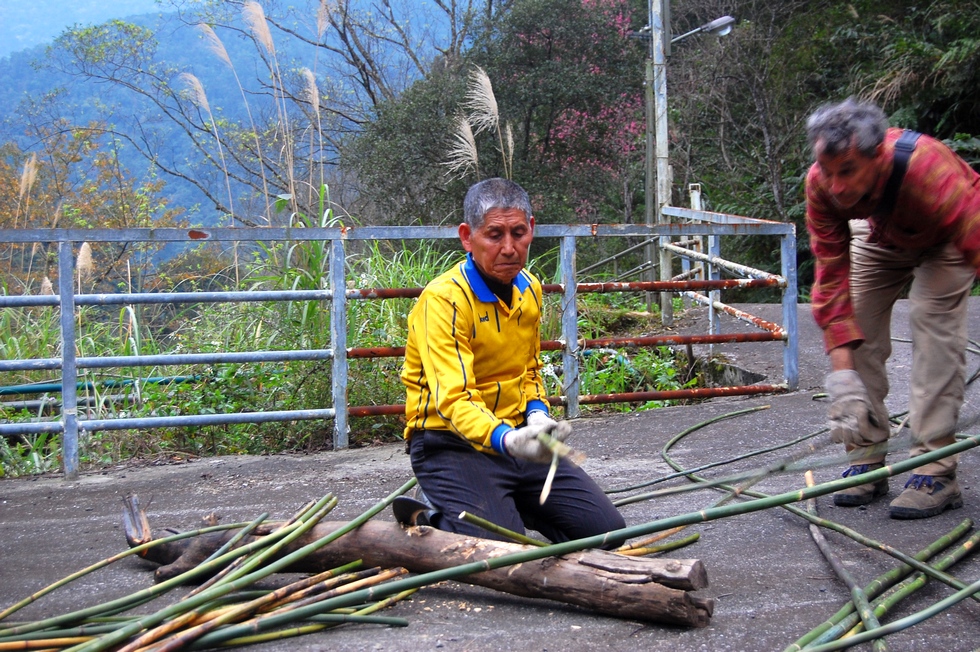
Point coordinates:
[[471, 362]]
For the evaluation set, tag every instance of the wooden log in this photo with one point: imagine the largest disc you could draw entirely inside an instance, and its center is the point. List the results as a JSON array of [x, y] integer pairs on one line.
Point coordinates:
[[638, 588]]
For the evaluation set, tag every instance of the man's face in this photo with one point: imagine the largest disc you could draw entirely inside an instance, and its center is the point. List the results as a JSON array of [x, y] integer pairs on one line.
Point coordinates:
[[500, 245], [848, 175]]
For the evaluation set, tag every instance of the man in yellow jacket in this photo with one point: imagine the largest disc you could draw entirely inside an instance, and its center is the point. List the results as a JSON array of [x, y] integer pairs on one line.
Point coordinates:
[[475, 399]]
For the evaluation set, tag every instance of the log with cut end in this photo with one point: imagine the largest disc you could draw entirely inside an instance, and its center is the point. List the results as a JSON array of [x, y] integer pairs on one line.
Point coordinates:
[[638, 588]]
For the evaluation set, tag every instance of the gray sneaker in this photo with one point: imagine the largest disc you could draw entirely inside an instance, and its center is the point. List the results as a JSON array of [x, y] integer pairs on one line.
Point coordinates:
[[863, 493], [925, 496]]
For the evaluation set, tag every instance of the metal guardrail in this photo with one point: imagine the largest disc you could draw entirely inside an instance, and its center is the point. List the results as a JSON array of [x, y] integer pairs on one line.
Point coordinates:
[[713, 225]]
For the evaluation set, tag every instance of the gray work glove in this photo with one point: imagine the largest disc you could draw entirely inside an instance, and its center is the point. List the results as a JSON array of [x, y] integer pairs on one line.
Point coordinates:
[[523, 442], [851, 414]]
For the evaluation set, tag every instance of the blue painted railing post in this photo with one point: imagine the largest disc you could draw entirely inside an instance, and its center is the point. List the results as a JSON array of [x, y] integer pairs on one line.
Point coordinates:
[[338, 341], [791, 354], [69, 370], [569, 328]]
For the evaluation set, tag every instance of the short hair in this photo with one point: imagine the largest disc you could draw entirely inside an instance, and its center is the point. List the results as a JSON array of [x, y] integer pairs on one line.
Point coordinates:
[[851, 122], [493, 193]]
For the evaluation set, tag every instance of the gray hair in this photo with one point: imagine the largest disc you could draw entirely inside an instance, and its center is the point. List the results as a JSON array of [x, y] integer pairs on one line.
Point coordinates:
[[851, 122], [493, 193]]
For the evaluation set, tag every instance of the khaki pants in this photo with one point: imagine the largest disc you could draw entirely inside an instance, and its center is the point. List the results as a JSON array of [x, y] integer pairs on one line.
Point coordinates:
[[941, 281]]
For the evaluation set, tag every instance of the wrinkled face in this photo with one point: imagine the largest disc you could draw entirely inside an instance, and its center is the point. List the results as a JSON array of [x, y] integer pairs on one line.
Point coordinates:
[[500, 245], [848, 175]]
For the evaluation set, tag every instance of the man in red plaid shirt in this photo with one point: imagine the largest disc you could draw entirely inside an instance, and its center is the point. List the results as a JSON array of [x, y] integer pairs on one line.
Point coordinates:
[[868, 247]]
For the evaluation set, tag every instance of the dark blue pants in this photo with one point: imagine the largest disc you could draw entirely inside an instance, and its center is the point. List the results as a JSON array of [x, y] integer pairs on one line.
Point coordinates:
[[504, 490]]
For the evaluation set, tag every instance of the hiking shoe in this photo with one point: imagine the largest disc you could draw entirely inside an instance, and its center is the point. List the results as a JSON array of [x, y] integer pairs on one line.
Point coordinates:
[[925, 496], [413, 511], [863, 493]]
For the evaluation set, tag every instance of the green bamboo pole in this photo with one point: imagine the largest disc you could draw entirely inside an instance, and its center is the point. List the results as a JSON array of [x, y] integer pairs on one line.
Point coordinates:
[[228, 545], [182, 639], [206, 613], [846, 627], [858, 597], [139, 597], [614, 536], [881, 583], [903, 623], [497, 529], [854, 480], [240, 582], [703, 424], [287, 533], [105, 562], [664, 547]]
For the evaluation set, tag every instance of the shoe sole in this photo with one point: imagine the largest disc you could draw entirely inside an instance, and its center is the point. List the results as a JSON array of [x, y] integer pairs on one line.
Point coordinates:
[[909, 513], [857, 500]]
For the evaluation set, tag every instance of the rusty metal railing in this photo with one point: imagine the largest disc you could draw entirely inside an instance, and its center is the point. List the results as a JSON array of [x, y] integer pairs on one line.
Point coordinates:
[[68, 424]]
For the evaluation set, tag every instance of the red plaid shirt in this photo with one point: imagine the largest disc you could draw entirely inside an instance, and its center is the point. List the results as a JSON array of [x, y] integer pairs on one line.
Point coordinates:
[[939, 202]]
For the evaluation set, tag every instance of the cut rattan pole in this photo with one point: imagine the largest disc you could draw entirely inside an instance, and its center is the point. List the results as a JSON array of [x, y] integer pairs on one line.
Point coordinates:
[[318, 624], [71, 632], [424, 579], [561, 449], [497, 529], [139, 597], [901, 591], [231, 543], [105, 562], [636, 545], [858, 596], [320, 509], [854, 480], [872, 476], [199, 616], [698, 426], [665, 547], [182, 639], [233, 585], [305, 520], [901, 624], [546, 488], [883, 582]]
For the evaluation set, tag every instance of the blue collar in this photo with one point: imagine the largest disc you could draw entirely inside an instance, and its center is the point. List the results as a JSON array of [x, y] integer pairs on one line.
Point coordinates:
[[479, 286]]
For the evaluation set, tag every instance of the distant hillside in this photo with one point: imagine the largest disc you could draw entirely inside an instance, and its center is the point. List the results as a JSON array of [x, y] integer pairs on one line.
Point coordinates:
[[27, 23], [24, 77]]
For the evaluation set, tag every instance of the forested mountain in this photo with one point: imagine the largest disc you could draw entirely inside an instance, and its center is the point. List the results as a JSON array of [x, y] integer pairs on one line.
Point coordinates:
[[29, 23], [278, 100]]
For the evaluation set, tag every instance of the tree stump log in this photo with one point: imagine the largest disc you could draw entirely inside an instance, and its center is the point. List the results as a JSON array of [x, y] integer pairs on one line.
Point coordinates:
[[654, 590]]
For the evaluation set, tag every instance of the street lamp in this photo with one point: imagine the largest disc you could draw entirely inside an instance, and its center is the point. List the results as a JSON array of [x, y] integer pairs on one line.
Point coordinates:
[[656, 119]]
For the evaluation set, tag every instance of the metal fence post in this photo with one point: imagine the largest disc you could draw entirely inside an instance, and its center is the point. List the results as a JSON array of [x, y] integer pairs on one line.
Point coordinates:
[[569, 328], [338, 341], [69, 370], [791, 361]]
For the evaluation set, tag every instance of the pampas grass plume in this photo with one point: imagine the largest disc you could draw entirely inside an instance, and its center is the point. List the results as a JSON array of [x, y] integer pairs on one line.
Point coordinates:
[[28, 176], [214, 43], [463, 154], [480, 101], [254, 17], [84, 264], [193, 84]]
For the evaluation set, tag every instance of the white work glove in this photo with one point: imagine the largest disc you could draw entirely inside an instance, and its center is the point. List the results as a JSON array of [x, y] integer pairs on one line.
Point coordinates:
[[851, 414], [523, 442], [560, 430]]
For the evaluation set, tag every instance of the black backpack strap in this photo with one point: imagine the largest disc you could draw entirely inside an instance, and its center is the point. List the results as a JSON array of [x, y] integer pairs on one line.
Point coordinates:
[[904, 147]]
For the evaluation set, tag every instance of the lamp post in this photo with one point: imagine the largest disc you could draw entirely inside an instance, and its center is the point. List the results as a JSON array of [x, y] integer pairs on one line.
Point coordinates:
[[656, 127]]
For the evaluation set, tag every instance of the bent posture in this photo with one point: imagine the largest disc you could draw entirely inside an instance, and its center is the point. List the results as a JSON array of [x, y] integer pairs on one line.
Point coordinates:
[[889, 210]]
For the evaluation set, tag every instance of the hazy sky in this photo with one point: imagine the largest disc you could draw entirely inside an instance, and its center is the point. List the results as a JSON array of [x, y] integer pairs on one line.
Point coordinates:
[[26, 23]]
